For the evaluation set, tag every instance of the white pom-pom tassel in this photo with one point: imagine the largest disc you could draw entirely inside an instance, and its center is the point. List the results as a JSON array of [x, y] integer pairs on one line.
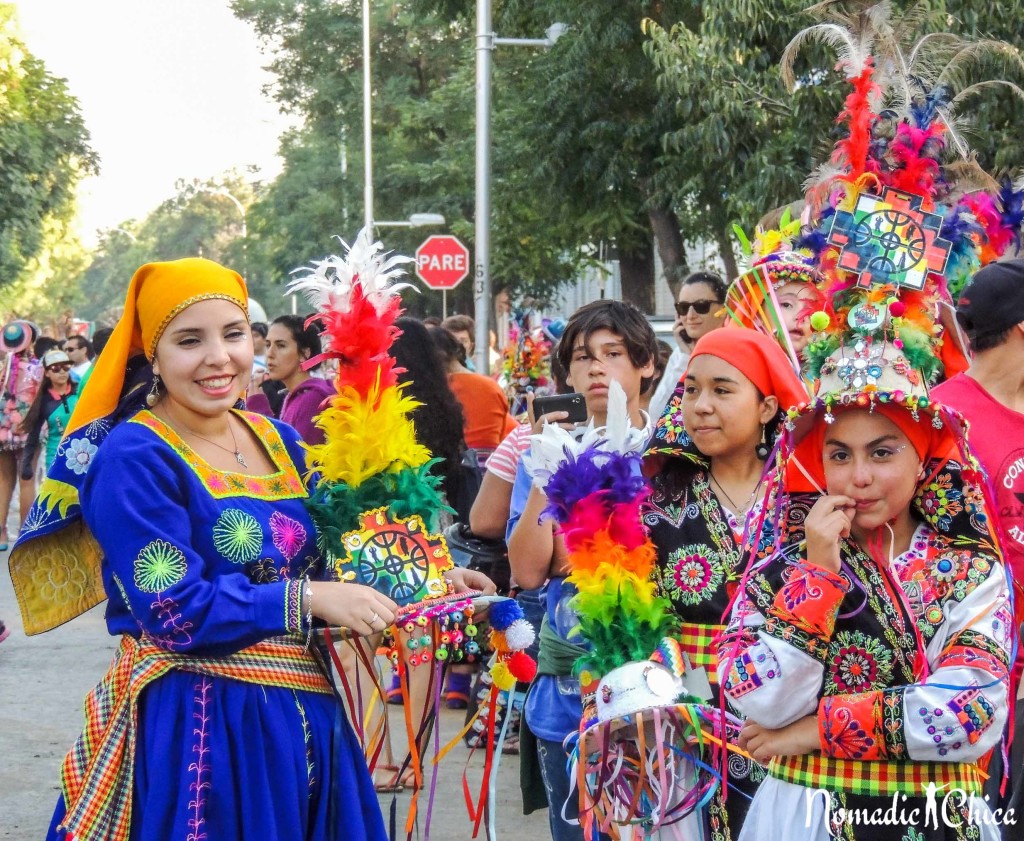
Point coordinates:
[[520, 635]]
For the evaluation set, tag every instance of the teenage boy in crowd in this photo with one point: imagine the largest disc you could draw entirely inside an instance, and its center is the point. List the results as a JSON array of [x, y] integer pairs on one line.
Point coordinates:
[[603, 341], [990, 395]]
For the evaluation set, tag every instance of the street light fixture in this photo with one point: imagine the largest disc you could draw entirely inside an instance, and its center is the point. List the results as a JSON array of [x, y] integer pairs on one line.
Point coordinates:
[[486, 41], [415, 220], [222, 191]]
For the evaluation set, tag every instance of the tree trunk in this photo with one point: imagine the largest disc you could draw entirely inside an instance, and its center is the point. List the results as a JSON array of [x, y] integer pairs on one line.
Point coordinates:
[[670, 247], [636, 270], [722, 229]]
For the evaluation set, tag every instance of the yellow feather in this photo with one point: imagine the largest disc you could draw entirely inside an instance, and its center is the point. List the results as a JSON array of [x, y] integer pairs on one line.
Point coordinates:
[[364, 438]]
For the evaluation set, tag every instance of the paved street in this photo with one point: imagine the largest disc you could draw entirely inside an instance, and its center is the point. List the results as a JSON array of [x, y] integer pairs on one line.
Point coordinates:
[[44, 679]]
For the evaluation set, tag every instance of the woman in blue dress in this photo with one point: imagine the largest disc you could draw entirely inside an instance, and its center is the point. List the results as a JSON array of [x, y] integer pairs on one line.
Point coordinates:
[[215, 719]]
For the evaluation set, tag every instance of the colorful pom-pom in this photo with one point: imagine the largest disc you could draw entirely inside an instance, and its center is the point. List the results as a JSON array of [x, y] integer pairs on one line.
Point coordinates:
[[522, 667], [520, 635], [502, 677], [897, 309], [504, 614], [820, 321]]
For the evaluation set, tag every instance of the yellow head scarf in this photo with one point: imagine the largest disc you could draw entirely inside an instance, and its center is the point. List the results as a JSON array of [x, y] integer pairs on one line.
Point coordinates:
[[158, 292]]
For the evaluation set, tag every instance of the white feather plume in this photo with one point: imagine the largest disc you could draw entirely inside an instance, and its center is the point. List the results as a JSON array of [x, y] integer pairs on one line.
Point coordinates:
[[620, 436], [328, 284]]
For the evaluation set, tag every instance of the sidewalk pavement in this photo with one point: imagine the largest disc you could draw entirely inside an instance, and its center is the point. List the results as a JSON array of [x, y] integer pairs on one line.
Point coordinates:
[[43, 683]]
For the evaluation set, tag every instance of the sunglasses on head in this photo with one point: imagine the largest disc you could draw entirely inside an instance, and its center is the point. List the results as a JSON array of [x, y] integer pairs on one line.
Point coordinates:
[[700, 307], [57, 367]]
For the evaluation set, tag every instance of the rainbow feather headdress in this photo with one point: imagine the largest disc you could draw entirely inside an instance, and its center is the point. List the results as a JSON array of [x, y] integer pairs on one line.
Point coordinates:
[[595, 491], [374, 485]]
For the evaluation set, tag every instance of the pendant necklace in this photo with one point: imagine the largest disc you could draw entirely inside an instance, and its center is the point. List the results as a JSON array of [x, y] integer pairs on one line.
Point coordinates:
[[235, 452], [739, 512]]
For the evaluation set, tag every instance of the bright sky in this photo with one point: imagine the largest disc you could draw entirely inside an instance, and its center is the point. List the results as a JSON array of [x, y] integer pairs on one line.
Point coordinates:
[[168, 88]]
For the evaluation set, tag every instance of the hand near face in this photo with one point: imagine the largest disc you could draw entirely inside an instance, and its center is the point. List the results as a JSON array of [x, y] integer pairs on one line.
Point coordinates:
[[795, 739], [830, 519]]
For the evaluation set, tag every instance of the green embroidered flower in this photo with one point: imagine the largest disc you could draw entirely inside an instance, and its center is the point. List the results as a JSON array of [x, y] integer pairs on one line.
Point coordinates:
[[237, 536], [159, 565]]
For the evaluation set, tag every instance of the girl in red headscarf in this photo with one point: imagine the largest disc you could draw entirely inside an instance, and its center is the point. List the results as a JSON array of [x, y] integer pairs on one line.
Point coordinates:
[[870, 654], [707, 465]]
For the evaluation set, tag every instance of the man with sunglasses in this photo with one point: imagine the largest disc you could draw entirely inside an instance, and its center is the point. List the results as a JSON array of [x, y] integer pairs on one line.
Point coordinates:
[[52, 406], [700, 308], [79, 350]]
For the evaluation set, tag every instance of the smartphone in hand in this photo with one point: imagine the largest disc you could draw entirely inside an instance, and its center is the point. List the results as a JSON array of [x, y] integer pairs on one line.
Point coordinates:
[[572, 403]]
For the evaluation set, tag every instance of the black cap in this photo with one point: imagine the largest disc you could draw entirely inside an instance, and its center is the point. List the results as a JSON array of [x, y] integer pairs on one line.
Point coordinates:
[[994, 299]]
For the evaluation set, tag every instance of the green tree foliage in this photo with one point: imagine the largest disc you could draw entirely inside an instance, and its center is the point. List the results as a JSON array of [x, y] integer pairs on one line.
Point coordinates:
[[44, 152], [199, 220], [544, 225]]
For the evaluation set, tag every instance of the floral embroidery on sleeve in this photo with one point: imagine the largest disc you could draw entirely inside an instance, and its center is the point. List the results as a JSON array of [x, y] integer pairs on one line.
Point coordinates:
[[850, 726], [810, 599]]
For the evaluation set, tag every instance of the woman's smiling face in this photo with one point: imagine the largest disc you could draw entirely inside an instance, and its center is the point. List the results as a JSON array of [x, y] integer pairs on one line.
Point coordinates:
[[204, 357]]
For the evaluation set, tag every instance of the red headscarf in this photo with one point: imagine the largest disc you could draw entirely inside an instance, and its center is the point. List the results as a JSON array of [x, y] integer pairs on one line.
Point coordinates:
[[759, 358], [806, 471]]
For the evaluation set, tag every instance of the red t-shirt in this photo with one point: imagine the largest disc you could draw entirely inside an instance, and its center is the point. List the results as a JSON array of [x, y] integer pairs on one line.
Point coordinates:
[[485, 408], [996, 436]]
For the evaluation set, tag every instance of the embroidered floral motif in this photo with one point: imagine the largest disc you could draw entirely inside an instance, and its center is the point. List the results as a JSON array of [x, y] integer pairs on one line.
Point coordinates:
[[79, 454], [845, 735], [169, 613], [264, 572], [857, 663], [694, 574], [237, 536], [159, 566], [288, 535], [940, 501], [285, 483]]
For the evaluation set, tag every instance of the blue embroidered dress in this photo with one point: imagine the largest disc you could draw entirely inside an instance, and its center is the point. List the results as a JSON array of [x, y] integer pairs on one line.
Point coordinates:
[[204, 563]]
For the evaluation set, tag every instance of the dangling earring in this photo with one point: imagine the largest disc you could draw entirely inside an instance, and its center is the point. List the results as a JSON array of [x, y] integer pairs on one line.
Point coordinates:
[[153, 395], [762, 450]]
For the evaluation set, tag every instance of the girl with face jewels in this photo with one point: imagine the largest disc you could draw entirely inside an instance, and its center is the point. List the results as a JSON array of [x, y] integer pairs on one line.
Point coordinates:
[[707, 463], [215, 719]]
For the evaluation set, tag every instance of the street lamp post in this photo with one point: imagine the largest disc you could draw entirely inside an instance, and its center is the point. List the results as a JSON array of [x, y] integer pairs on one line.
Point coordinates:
[[486, 41], [221, 191]]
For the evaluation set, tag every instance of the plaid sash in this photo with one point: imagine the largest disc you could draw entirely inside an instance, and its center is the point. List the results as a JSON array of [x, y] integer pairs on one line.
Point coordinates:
[[97, 775], [877, 777]]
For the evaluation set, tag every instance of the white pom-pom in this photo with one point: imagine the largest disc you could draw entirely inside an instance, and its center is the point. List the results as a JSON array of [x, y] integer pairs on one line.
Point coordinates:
[[520, 635]]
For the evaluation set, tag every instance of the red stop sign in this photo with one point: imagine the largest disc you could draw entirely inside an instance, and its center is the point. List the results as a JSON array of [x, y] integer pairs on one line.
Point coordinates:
[[442, 262]]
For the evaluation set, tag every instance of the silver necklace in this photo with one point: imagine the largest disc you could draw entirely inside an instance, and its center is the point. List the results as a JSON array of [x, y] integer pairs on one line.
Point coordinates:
[[735, 508], [235, 452]]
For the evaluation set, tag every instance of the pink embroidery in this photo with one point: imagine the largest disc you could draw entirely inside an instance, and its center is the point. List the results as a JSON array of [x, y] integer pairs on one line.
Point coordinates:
[[288, 535]]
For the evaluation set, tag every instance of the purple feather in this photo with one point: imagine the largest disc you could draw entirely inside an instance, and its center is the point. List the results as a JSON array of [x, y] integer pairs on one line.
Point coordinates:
[[1011, 208], [593, 471], [959, 224]]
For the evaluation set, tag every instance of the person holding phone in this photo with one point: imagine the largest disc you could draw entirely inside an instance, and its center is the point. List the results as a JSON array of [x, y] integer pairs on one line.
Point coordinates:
[[700, 308], [603, 341]]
